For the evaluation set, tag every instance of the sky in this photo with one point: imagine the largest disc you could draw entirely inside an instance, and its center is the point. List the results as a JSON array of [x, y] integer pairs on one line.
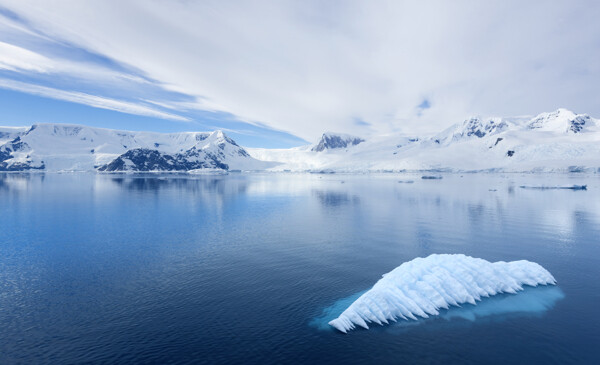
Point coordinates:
[[279, 73]]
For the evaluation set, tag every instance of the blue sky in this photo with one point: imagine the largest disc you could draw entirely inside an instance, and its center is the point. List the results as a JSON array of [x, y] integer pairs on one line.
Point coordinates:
[[279, 73], [29, 95], [23, 109]]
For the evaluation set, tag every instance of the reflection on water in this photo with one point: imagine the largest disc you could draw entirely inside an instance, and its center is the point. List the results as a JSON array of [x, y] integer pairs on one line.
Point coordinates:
[[529, 302], [532, 301], [237, 269], [332, 198], [16, 182], [204, 184]]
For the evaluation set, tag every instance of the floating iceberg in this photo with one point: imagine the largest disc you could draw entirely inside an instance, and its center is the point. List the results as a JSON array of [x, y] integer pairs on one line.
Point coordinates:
[[419, 288], [573, 187]]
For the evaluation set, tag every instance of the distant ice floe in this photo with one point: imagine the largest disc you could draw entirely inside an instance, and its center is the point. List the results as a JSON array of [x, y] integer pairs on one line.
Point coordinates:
[[423, 286], [572, 187]]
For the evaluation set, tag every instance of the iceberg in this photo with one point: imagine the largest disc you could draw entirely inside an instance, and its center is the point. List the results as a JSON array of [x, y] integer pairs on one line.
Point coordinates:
[[573, 187], [423, 286]]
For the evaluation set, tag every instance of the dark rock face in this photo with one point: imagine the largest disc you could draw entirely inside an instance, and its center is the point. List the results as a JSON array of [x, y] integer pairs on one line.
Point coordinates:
[[5, 165], [20, 166], [510, 153], [20, 152], [576, 125], [498, 140], [230, 141], [16, 145], [475, 127], [333, 141], [201, 159], [576, 169], [67, 130], [6, 153], [143, 159]]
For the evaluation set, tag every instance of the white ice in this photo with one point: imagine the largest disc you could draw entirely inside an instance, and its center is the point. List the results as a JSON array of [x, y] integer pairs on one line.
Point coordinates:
[[421, 287], [545, 143]]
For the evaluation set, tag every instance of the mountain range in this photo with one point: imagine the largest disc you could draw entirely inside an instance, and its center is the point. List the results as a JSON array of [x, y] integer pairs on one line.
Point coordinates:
[[557, 141], [62, 147]]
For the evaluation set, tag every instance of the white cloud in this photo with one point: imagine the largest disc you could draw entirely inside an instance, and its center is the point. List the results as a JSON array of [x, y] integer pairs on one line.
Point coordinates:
[[15, 58], [19, 59], [87, 99], [306, 67]]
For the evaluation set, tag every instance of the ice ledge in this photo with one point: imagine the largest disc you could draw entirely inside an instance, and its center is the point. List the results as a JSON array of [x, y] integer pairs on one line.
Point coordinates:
[[420, 287]]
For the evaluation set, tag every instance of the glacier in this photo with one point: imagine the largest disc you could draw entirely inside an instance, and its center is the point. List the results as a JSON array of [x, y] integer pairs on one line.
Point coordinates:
[[423, 286], [559, 141]]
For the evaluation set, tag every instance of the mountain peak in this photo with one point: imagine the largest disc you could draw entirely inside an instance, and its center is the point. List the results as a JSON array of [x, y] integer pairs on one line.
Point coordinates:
[[560, 120], [474, 127], [336, 140], [67, 147]]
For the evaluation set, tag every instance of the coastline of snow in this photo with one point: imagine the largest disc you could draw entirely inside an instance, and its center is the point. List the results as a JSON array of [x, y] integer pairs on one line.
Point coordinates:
[[74, 148], [556, 142], [561, 141]]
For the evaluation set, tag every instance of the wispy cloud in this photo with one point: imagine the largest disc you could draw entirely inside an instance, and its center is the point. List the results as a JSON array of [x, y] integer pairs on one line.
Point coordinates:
[[90, 100], [310, 66], [15, 58]]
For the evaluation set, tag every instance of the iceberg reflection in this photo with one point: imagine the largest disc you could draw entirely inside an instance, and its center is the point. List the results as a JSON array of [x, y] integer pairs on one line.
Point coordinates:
[[532, 301]]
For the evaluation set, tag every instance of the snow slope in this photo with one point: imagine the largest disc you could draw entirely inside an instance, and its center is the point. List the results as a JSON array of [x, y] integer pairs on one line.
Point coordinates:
[[332, 141], [419, 288], [557, 141], [62, 147], [7, 134]]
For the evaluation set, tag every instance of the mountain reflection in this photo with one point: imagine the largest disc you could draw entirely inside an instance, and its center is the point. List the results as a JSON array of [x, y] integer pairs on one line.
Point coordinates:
[[330, 198], [205, 184], [19, 181]]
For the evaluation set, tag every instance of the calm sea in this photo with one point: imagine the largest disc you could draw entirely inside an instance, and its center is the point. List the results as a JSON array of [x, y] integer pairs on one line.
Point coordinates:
[[249, 268]]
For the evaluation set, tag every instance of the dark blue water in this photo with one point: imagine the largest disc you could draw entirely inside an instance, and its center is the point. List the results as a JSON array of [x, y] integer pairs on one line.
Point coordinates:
[[248, 268]]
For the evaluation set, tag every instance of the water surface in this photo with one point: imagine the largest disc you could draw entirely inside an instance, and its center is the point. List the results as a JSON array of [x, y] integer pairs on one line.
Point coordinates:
[[246, 268]]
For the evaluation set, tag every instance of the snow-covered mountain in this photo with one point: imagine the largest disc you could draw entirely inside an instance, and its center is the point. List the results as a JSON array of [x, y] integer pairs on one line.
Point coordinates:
[[335, 140], [7, 134], [62, 147], [556, 141]]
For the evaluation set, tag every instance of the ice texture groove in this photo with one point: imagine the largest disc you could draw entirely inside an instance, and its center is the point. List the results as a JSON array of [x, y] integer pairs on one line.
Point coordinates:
[[420, 287]]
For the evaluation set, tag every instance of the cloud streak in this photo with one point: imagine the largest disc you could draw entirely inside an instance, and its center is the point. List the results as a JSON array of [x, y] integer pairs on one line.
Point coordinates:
[[90, 100], [306, 67], [15, 58]]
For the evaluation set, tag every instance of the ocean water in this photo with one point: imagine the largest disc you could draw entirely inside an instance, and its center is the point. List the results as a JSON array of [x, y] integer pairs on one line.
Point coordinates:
[[249, 268]]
